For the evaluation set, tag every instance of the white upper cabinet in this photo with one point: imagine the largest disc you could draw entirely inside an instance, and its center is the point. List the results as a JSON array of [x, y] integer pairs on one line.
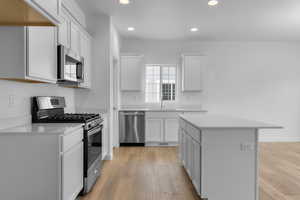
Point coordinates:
[[64, 29], [192, 66], [50, 7], [85, 52], [75, 38], [42, 53], [31, 56], [131, 73]]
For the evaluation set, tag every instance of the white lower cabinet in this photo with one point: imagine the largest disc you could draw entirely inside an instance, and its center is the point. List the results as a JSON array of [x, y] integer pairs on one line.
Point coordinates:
[[154, 130], [72, 172], [45, 163], [161, 128], [190, 154], [71, 164], [196, 165], [171, 129], [183, 147]]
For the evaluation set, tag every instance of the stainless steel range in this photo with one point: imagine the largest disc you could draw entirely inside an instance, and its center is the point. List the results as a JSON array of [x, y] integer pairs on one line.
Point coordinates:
[[49, 109]]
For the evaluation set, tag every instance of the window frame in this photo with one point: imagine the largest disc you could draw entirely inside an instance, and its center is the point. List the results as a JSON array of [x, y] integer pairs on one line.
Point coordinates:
[[160, 82]]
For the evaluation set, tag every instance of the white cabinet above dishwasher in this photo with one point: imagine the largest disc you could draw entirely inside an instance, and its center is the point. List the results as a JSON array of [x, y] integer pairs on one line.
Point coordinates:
[[43, 161]]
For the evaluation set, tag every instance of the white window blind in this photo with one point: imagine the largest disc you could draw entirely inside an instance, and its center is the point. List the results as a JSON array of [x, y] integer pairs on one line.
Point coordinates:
[[160, 83]]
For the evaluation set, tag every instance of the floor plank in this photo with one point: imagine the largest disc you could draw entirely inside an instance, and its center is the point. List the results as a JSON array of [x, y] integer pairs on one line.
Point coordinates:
[[154, 173]]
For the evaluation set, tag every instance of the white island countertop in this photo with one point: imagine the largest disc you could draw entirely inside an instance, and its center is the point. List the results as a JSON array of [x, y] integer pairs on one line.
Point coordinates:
[[217, 121], [42, 129]]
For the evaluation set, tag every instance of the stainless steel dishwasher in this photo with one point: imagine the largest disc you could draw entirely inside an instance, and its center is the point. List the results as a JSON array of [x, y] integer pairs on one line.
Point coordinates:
[[132, 128]]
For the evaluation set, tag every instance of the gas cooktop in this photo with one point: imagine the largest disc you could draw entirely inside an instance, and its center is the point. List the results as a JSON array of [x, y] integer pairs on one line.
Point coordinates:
[[70, 117]]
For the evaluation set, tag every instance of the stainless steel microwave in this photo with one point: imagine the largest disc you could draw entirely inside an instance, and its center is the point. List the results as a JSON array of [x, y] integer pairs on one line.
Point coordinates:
[[70, 66]]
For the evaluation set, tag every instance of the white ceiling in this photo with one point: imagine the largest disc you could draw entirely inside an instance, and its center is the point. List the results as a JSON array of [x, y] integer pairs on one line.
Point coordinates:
[[230, 20]]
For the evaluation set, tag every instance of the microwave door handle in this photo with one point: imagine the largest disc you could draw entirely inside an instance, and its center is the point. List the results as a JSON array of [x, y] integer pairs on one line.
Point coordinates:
[[80, 71], [62, 62]]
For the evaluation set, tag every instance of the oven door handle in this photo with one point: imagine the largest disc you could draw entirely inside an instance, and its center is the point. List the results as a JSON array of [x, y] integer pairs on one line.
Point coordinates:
[[95, 130]]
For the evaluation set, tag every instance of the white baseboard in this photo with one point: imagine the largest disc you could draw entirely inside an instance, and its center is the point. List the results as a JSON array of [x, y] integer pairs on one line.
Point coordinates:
[[160, 144], [108, 157], [279, 139]]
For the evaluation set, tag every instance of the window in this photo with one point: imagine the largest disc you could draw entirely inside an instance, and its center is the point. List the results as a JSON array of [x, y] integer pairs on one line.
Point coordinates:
[[160, 83]]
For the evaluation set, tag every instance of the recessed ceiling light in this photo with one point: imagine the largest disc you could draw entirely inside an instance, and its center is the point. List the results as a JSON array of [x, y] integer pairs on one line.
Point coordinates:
[[194, 29], [212, 2], [124, 2], [130, 28]]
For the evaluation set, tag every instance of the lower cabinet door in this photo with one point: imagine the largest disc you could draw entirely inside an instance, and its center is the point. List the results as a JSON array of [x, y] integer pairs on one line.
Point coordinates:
[[189, 156], [72, 172], [197, 166], [180, 152], [171, 130], [154, 130], [183, 148]]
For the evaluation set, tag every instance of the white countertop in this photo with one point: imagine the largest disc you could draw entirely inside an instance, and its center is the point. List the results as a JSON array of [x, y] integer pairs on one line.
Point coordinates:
[[42, 129], [216, 121]]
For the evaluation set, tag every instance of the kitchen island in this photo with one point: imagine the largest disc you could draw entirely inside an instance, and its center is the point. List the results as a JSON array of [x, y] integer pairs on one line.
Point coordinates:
[[220, 155]]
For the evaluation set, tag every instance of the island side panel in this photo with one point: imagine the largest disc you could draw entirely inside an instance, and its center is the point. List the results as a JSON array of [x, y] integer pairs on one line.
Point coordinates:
[[229, 164]]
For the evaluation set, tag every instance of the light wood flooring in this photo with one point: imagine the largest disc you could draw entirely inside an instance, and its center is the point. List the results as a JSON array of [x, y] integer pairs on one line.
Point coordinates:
[[154, 173]]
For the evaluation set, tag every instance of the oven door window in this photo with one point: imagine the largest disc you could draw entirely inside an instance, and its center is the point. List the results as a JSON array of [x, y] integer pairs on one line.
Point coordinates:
[[94, 145]]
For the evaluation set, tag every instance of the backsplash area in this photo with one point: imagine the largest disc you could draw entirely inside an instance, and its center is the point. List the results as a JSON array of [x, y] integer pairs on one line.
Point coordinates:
[[137, 99], [15, 100]]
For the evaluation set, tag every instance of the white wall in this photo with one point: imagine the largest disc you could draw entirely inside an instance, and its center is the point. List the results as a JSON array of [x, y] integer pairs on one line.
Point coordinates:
[[105, 47], [15, 100], [97, 98], [254, 80]]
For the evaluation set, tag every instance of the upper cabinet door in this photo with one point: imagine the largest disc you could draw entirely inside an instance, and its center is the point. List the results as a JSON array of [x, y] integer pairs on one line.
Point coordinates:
[[42, 53], [192, 73], [51, 7], [75, 38], [64, 29], [131, 73], [85, 52]]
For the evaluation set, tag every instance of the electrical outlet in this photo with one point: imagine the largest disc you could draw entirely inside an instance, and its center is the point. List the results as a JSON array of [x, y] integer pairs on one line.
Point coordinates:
[[247, 147]]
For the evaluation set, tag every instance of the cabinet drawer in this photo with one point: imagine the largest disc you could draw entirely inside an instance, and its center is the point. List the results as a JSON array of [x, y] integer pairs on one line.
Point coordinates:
[[71, 139], [193, 132]]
